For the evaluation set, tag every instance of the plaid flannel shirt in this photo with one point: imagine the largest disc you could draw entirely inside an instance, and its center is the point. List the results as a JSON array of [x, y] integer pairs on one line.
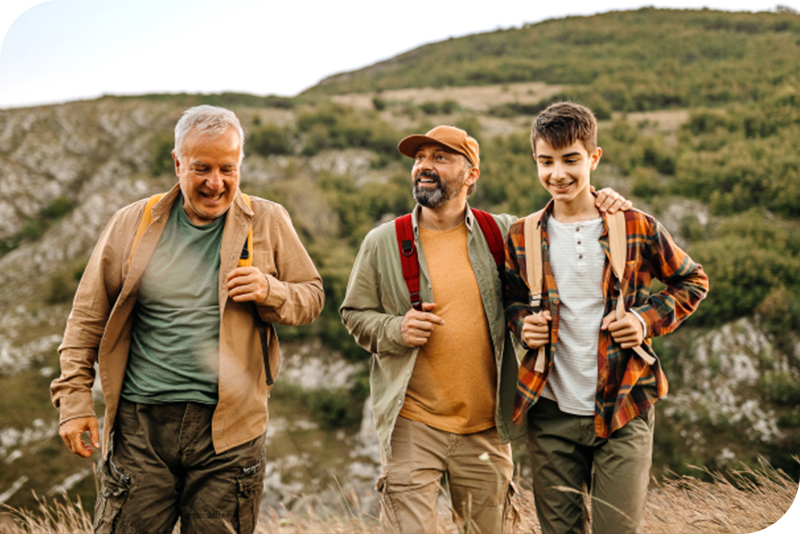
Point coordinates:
[[626, 385]]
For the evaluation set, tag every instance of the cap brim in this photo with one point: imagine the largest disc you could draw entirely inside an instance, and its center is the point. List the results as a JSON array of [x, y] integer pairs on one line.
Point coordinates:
[[409, 145]]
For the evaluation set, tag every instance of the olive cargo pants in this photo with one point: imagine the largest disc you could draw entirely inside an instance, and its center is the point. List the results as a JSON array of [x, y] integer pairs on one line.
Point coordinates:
[[162, 466], [566, 453], [421, 456]]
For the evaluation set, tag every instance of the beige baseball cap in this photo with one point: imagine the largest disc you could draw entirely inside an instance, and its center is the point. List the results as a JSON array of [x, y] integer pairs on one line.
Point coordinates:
[[449, 136]]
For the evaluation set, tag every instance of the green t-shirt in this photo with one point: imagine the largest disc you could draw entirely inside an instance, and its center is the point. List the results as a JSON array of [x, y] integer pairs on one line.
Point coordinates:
[[174, 354]]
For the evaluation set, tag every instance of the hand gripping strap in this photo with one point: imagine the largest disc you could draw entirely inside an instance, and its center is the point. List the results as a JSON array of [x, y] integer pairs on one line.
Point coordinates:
[[533, 263], [246, 260], [618, 245], [408, 258]]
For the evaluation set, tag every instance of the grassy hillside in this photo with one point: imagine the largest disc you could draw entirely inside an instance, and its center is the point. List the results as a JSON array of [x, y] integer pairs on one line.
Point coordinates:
[[629, 60]]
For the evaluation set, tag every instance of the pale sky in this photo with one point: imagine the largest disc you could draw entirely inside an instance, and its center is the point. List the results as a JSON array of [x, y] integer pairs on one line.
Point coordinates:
[[61, 50]]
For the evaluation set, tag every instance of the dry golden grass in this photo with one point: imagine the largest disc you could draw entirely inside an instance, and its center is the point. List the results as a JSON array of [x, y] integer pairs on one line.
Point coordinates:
[[741, 502]]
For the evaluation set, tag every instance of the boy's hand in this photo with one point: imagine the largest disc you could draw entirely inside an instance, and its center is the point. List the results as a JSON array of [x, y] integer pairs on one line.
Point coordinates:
[[536, 329], [417, 326], [627, 332], [610, 201]]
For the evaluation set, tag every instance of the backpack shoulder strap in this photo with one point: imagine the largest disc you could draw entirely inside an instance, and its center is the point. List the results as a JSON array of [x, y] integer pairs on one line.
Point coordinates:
[[532, 233], [246, 258], [147, 218], [617, 242], [618, 249], [533, 256], [493, 235], [408, 258], [264, 330]]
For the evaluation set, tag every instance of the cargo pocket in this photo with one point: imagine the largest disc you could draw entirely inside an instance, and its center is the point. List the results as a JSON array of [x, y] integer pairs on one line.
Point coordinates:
[[389, 522], [511, 507], [249, 486], [114, 487]]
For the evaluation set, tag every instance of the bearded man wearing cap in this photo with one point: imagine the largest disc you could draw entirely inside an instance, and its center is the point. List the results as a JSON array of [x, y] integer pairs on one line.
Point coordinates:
[[442, 378]]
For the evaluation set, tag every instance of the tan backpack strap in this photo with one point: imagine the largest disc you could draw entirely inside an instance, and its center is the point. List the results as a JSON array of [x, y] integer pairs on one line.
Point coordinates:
[[533, 264], [147, 218], [618, 245], [533, 257], [247, 261]]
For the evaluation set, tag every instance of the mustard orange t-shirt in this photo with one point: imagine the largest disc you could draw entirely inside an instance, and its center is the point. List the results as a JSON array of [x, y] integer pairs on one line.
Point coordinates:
[[454, 381]]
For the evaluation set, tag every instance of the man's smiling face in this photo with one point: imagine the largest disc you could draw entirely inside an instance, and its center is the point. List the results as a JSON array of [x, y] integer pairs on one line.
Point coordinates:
[[208, 171], [438, 175], [565, 172]]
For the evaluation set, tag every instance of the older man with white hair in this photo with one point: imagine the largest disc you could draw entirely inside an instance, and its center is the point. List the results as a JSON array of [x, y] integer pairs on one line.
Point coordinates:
[[176, 307]]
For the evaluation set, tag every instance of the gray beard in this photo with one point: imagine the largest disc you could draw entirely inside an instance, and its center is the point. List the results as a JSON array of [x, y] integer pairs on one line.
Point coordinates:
[[431, 198]]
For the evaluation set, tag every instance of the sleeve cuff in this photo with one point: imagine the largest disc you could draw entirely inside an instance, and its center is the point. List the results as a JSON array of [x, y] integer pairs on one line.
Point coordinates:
[[393, 331], [74, 406], [641, 320]]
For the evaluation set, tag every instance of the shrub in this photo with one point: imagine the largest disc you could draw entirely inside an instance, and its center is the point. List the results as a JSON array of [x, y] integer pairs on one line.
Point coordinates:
[[270, 139]]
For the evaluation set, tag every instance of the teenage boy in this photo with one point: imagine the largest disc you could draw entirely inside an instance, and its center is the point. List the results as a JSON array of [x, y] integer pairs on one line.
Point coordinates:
[[590, 405]]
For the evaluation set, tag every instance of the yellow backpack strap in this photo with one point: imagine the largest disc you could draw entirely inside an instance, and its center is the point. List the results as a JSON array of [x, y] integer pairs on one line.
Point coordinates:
[[618, 247], [533, 264], [264, 330], [246, 258], [147, 218]]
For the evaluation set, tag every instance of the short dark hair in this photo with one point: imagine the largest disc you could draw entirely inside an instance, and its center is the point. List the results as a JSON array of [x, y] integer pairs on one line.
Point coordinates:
[[563, 123]]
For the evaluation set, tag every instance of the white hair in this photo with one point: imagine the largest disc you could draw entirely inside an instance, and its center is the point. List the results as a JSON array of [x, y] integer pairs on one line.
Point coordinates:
[[208, 120]]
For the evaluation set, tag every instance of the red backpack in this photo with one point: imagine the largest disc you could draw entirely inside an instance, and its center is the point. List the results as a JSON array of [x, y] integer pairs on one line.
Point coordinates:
[[408, 250]]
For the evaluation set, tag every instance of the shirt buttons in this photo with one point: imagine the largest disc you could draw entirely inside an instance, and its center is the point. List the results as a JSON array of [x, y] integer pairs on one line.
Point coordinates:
[[399, 402], [577, 228]]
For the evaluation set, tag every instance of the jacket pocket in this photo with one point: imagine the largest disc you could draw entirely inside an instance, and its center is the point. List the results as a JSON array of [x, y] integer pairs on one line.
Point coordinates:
[[113, 492]]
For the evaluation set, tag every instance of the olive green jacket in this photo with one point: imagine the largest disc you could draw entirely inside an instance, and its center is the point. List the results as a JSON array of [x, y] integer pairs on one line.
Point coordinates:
[[377, 299]]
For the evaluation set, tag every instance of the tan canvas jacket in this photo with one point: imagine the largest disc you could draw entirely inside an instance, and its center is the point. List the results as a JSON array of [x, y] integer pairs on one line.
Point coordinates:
[[99, 325]]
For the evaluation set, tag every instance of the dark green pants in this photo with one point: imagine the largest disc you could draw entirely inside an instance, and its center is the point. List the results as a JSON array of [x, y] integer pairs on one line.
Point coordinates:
[[162, 466], [566, 453]]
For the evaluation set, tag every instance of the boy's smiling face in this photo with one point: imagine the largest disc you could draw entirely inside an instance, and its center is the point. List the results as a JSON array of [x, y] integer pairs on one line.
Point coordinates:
[[565, 172]]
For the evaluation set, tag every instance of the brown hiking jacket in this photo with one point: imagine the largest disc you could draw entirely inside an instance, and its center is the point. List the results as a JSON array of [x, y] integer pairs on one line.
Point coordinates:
[[100, 323]]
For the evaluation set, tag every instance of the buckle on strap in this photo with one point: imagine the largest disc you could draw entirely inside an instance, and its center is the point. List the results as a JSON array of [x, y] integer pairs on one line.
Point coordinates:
[[536, 301], [416, 302], [408, 248]]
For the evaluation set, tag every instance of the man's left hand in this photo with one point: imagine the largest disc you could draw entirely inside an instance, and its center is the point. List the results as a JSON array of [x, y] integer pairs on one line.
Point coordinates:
[[627, 332], [610, 201], [248, 284]]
